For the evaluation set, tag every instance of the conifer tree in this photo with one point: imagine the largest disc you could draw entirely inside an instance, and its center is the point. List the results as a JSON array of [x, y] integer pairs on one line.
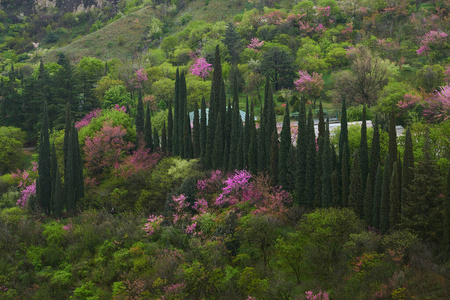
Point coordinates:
[[375, 151], [54, 165], [376, 203], [301, 153], [170, 129], [69, 180], [140, 115], [58, 195], [44, 171], [326, 168], [203, 128], [310, 163], [240, 150], [321, 118], [392, 151], [344, 155], [252, 149], [385, 204], [318, 175], [164, 138], [335, 188], [156, 139], [446, 223], [275, 161], [176, 116], [363, 150], [356, 194], [148, 130], [196, 132], [79, 180], [236, 124], [218, 145], [394, 213], [246, 141], [67, 127], [345, 178], [182, 115], [223, 110], [284, 166], [368, 201], [408, 166]]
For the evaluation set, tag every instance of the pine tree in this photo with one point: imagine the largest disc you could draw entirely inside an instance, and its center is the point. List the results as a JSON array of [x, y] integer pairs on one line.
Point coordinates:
[[301, 153], [148, 130], [203, 128], [140, 115], [394, 213], [408, 166], [233, 42], [284, 167], [392, 141], [170, 129], [368, 201], [44, 171], [218, 145], [363, 150], [310, 162], [156, 139], [345, 178], [176, 116], [446, 222], [385, 204], [275, 161], [327, 200], [164, 139], [376, 203], [356, 194]]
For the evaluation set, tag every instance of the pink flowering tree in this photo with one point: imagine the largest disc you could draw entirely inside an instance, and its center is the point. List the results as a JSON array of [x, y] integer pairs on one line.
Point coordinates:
[[432, 41], [88, 118], [26, 183], [201, 68], [139, 79], [438, 105], [311, 86], [255, 44], [140, 160]]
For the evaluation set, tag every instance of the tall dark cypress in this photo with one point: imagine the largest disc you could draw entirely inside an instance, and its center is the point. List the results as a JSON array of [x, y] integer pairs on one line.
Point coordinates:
[[196, 132], [302, 133], [240, 153], [356, 194], [262, 131], [368, 202], [44, 171], [345, 178], [271, 124], [246, 141], [148, 130], [140, 115], [395, 204], [321, 117], [67, 127], [70, 178], [275, 160], [310, 163], [164, 138], [156, 139], [170, 129], [363, 150], [203, 128], [318, 175], [187, 138], [385, 204], [284, 165], [344, 154], [218, 145], [182, 117], [377, 198], [58, 195], [236, 124], [446, 222], [223, 109], [53, 167], [408, 166], [176, 117], [79, 180], [392, 140], [375, 151], [327, 200], [253, 146]]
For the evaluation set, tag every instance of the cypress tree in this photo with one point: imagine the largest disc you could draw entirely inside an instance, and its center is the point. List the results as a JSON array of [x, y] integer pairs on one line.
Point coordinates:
[[223, 110], [375, 153], [326, 169], [79, 180], [271, 124], [310, 163], [54, 166], [363, 150], [385, 204], [156, 139], [302, 142], [148, 130], [321, 125], [44, 171], [182, 115], [395, 204], [345, 178], [446, 222], [376, 203], [196, 132], [67, 127], [246, 142], [170, 129], [408, 166], [392, 140], [368, 201], [69, 180], [203, 128], [236, 124], [140, 116], [275, 161], [318, 175], [335, 188], [176, 117], [164, 139], [252, 149], [240, 150], [284, 166], [218, 145], [57, 194], [356, 194]]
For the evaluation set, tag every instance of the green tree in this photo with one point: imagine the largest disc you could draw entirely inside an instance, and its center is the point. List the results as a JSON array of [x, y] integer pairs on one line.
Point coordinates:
[[148, 129], [284, 162], [11, 153], [408, 167], [363, 151], [140, 116], [392, 151], [377, 198], [356, 194], [375, 153], [310, 162], [301, 154], [233, 42], [395, 209], [170, 128], [368, 202], [164, 138], [277, 63], [252, 149], [203, 128], [44, 171], [176, 120], [275, 161], [344, 155], [385, 204], [156, 139], [218, 145], [196, 132]]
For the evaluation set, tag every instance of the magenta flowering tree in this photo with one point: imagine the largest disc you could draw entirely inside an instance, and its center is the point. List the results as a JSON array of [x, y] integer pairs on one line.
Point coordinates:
[[153, 224], [319, 296], [141, 160], [234, 188], [438, 105], [433, 40], [200, 68], [255, 44], [310, 85], [26, 183], [140, 79], [88, 118]]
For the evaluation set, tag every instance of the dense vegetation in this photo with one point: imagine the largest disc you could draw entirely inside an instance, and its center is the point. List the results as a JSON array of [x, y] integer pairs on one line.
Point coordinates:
[[179, 174]]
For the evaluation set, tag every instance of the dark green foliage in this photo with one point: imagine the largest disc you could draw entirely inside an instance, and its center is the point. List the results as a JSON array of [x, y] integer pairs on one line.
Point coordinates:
[[377, 198], [196, 132], [385, 204], [375, 152], [364, 150], [176, 117], [344, 155], [247, 130], [67, 126], [408, 166], [140, 115], [203, 128], [79, 179], [368, 201], [233, 42], [54, 166], [335, 188], [284, 162], [345, 178], [395, 210], [57, 195], [240, 153], [392, 151], [45, 178], [148, 130], [277, 63], [318, 175], [275, 162], [170, 128], [270, 124], [253, 148], [327, 200], [321, 118], [156, 139], [236, 125], [227, 137], [70, 179], [182, 138], [164, 138], [302, 143], [446, 222], [218, 145], [310, 163], [356, 195]]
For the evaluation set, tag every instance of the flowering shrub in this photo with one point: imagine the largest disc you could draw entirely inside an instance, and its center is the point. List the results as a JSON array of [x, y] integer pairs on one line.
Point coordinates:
[[255, 44], [234, 186], [139, 79], [200, 68], [438, 105], [431, 40], [310, 85], [319, 296], [88, 118], [153, 224], [26, 182], [141, 160]]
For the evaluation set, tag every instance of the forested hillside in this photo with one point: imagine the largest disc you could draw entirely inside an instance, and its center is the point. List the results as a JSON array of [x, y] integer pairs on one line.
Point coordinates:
[[224, 149]]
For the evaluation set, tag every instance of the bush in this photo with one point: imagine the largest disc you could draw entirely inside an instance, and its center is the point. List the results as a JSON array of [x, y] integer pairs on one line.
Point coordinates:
[[11, 153]]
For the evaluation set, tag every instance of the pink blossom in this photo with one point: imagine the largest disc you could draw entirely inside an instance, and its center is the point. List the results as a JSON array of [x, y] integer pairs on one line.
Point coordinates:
[[323, 11], [200, 68], [29, 191], [68, 227], [431, 39], [88, 118], [153, 224], [191, 228], [255, 44], [319, 296], [319, 28], [140, 78], [310, 85]]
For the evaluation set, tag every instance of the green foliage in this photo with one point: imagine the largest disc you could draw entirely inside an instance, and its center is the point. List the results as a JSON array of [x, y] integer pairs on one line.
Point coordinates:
[[11, 153], [117, 95]]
